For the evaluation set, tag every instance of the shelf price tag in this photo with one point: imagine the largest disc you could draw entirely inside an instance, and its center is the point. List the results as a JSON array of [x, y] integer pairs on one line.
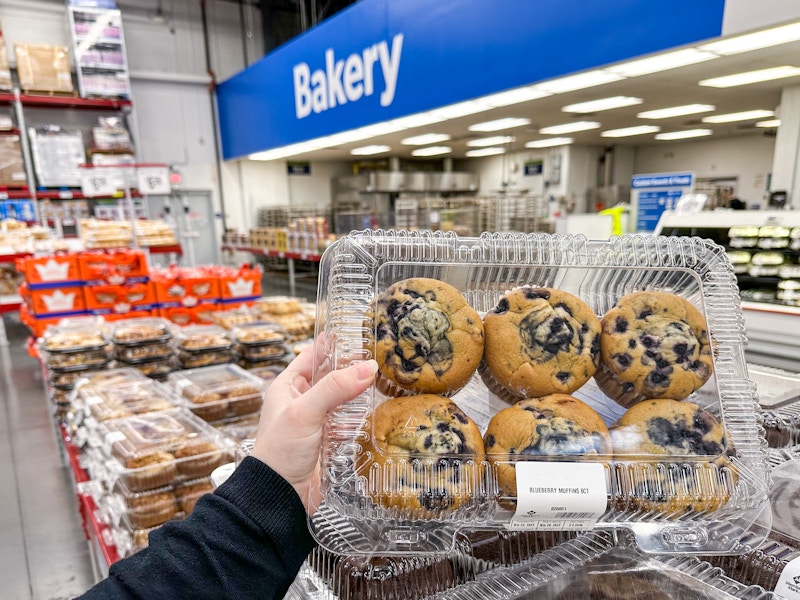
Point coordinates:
[[97, 182], [553, 496], [154, 180], [788, 586]]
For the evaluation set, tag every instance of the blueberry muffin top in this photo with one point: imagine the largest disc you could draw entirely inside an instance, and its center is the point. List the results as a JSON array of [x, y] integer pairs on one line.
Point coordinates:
[[541, 341], [428, 339], [654, 345]]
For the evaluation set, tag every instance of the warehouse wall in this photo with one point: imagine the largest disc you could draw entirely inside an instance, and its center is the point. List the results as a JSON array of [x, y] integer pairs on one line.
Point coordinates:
[[172, 119], [749, 157]]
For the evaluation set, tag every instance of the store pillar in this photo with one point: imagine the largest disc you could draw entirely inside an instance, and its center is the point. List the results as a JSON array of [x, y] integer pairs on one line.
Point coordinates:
[[786, 161]]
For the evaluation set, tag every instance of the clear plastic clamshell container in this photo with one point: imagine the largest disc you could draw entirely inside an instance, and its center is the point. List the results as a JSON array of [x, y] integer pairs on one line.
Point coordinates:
[[104, 403], [259, 333], [262, 352], [108, 378], [408, 473], [153, 450], [143, 330], [157, 368], [144, 510], [78, 338], [278, 305], [144, 352], [195, 360], [219, 392], [202, 338]]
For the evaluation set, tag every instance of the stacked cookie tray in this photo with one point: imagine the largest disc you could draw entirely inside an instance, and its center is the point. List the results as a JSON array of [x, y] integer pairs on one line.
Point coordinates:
[[779, 397], [409, 471], [219, 393], [144, 344], [70, 352], [151, 468], [203, 346], [260, 344]]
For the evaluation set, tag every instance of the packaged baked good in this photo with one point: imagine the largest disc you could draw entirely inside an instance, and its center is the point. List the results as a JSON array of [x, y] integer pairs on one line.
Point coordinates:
[[137, 397], [653, 345], [268, 373], [229, 319], [206, 358], [278, 305], [144, 330], [107, 378], [258, 333], [77, 361], [66, 379], [189, 492], [201, 338], [239, 428], [740, 260], [157, 368], [58, 340], [654, 493], [539, 341], [743, 231], [765, 264], [143, 352], [156, 449], [217, 392], [262, 352], [427, 338]]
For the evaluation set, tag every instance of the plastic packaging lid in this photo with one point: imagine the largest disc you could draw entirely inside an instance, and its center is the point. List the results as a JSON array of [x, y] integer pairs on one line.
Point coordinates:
[[202, 338], [225, 380], [127, 399], [144, 330], [258, 334], [109, 377], [278, 305], [58, 340], [144, 352]]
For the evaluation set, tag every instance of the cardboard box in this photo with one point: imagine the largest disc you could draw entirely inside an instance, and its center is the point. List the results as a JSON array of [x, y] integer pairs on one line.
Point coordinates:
[[244, 283], [12, 169], [38, 323], [180, 315], [61, 300], [50, 270], [113, 266], [185, 287], [202, 313], [42, 67], [120, 299], [5, 71]]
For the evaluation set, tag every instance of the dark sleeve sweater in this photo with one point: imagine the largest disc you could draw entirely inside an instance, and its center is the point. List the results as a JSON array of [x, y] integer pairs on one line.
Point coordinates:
[[246, 540]]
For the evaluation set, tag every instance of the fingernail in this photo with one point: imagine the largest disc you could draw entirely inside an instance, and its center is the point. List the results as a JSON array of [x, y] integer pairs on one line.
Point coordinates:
[[366, 369]]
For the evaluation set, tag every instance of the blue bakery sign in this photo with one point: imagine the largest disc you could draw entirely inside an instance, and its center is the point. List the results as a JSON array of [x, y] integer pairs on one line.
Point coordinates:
[[383, 59]]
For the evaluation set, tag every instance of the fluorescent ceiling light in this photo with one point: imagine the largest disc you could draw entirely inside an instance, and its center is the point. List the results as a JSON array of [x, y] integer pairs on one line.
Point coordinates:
[[499, 124], [740, 116], [751, 77], [754, 41], [431, 151], [682, 135], [570, 127], [628, 131], [484, 152], [367, 150], [491, 141], [770, 123], [417, 120], [515, 96], [676, 111], [549, 142], [462, 109], [425, 138], [578, 82], [662, 62], [602, 104]]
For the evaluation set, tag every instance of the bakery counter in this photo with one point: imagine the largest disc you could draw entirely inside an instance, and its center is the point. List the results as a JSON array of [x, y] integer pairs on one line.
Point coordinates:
[[772, 335]]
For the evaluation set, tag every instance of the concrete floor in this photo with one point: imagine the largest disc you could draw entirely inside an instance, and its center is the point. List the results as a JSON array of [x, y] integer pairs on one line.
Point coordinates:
[[43, 552]]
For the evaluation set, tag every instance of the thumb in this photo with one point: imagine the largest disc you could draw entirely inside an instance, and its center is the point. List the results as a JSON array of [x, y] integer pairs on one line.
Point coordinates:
[[338, 387]]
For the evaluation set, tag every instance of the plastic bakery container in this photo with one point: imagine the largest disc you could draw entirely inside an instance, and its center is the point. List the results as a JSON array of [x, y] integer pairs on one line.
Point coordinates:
[[104, 403], [219, 392], [257, 334], [699, 502], [202, 338], [154, 450], [140, 331]]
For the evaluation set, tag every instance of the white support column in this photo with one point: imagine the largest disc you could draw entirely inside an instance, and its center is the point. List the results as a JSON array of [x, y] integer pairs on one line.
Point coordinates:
[[786, 161]]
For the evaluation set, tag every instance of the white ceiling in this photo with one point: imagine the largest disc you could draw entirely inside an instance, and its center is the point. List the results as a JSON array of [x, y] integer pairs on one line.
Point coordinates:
[[659, 90]]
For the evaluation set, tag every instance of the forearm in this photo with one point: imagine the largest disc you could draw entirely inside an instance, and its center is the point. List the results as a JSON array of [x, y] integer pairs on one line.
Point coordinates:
[[247, 540]]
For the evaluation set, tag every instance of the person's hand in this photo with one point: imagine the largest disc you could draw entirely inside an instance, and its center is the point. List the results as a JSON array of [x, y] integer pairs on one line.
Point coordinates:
[[290, 429]]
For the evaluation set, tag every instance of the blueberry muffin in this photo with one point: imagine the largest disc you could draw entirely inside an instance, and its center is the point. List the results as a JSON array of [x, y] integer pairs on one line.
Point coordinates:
[[539, 341], [424, 455], [555, 425], [653, 345], [675, 434], [428, 339]]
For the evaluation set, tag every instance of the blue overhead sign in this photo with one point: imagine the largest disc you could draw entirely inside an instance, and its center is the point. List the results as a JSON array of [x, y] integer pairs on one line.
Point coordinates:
[[662, 181], [383, 59]]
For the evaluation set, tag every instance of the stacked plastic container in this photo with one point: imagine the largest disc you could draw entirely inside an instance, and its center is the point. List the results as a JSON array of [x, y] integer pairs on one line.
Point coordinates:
[[69, 353], [203, 346], [260, 344], [144, 344]]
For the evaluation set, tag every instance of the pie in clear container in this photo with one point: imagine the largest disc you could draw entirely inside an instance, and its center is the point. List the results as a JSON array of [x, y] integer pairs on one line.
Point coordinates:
[[673, 503]]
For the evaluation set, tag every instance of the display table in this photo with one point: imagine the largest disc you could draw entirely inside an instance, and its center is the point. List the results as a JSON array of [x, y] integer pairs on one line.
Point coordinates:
[[288, 256]]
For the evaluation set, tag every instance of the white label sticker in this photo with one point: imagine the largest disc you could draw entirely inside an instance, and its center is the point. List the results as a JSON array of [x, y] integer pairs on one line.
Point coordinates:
[[554, 496], [110, 438], [789, 584]]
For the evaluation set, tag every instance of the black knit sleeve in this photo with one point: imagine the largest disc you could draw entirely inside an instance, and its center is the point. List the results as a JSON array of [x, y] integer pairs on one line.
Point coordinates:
[[247, 540]]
